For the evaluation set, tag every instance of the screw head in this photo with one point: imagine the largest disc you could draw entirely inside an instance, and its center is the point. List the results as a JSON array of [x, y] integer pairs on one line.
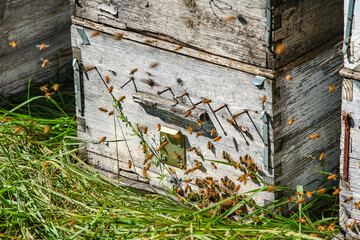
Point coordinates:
[[163, 138]]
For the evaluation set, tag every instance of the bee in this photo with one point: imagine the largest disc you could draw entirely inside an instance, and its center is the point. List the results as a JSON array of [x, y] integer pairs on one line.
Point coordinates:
[[210, 145], [242, 178], [178, 48], [145, 130], [17, 130], [111, 89], [217, 138], [188, 113], [331, 227], [288, 77], [291, 199], [145, 172], [263, 99], [102, 139], [154, 65], [231, 122], [47, 129], [301, 200], [159, 127], [291, 121], [334, 176], [331, 88], [276, 107], [229, 18], [172, 171], [111, 113], [44, 89], [118, 36], [48, 95], [129, 164], [121, 98], [4, 120], [107, 79], [212, 133], [187, 171], [42, 46], [337, 191], [206, 101], [249, 162], [162, 146], [315, 136], [321, 191], [72, 223], [199, 123], [270, 188], [103, 109], [144, 149], [13, 44], [214, 165], [148, 157], [95, 33], [149, 41], [279, 49], [190, 129], [55, 87], [187, 188], [180, 199], [198, 133], [348, 199], [188, 180], [314, 234], [308, 194], [133, 71], [45, 63], [321, 228], [301, 220], [197, 152], [178, 190], [357, 205], [191, 149], [183, 165], [321, 157]]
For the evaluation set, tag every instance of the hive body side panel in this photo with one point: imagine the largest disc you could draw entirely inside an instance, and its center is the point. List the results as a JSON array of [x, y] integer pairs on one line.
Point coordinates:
[[201, 80], [314, 111], [28, 24]]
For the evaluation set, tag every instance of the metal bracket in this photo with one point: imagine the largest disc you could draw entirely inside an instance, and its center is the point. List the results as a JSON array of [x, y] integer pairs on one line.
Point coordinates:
[[347, 122], [268, 23], [259, 81], [174, 152], [83, 36], [264, 117], [356, 83], [348, 26], [79, 83]]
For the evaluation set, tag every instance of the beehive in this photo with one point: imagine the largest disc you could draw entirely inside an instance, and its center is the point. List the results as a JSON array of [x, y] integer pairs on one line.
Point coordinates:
[[350, 134], [166, 62], [29, 24]]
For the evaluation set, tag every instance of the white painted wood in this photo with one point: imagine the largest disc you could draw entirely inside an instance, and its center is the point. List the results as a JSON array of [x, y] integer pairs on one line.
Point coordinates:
[[30, 23]]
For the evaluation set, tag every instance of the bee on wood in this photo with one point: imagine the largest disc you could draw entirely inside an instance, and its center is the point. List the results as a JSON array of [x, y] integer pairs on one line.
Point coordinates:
[[42, 46], [315, 136], [121, 98], [188, 180], [291, 121], [162, 146], [177, 156], [217, 138], [206, 101], [321, 191], [263, 99], [133, 71], [331, 177], [337, 191], [159, 127], [111, 113], [288, 77], [144, 149], [212, 133], [178, 48], [183, 165], [187, 171], [197, 152], [199, 123], [13, 44], [102, 139], [129, 164], [145, 130], [229, 18], [118, 36], [301, 200], [4, 120], [357, 205], [198, 133], [348, 199], [95, 33], [145, 172], [191, 149], [190, 129], [172, 171], [331, 88], [188, 113], [321, 157], [210, 145], [111, 89], [231, 122], [107, 79], [154, 65], [17, 130], [47, 129], [45, 63], [242, 178], [237, 187]]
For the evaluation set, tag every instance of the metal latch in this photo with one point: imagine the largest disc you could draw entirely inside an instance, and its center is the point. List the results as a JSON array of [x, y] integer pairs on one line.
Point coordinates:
[[79, 86], [348, 26], [173, 152], [83, 36], [347, 121], [264, 117]]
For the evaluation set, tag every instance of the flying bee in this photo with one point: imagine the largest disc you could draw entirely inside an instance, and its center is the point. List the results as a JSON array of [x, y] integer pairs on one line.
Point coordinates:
[[212, 132], [263, 99], [159, 127], [231, 122], [321, 157], [118, 36], [331, 177], [217, 138], [172, 171], [190, 129], [133, 71], [178, 190], [4, 120], [47, 129], [348, 199], [337, 191], [144, 172], [177, 156], [162, 146], [55, 87], [13, 44], [48, 95], [270, 188], [95, 33], [144, 149], [309, 194], [279, 49], [111, 89], [42, 46], [45, 63], [301, 220], [331, 88], [178, 48], [121, 98], [301, 200], [198, 133], [17, 130], [102, 139], [107, 79], [188, 113], [111, 113], [291, 121], [103, 109], [199, 123], [315, 136], [154, 65], [288, 77], [44, 89], [129, 164], [321, 191], [72, 223], [321, 228]]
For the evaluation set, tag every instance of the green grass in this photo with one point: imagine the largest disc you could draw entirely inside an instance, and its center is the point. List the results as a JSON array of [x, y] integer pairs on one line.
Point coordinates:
[[48, 192]]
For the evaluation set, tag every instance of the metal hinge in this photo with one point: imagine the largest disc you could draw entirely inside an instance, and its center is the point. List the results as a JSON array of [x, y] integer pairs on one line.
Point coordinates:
[[268, 23], [347, 121], [79, 86], [348, 26], [83, 36], [264, 117]]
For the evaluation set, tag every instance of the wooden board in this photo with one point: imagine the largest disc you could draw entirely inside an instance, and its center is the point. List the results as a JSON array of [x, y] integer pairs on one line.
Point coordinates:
[[28, 24], [202, 25], [204, 80]]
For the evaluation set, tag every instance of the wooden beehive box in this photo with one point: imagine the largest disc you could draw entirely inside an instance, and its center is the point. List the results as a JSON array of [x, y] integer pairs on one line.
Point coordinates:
[[350, 134], [248, 86], [28, 24]]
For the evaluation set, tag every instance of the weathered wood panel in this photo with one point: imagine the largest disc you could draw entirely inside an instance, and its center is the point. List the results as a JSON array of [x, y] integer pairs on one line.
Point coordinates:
[[301, 25], [28, 24]]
